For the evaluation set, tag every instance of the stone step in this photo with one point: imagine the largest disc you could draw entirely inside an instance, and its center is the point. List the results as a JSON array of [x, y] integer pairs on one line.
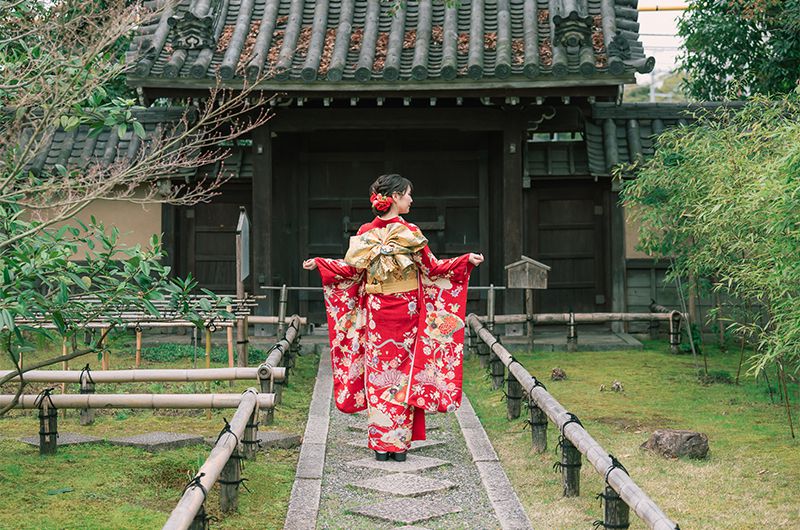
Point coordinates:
[[404, 484], [417, 444], [158, 441], [65, 438], [412, 463], [407, 511]]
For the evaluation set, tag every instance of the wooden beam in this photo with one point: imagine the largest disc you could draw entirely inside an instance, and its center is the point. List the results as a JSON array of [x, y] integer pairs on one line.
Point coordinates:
[[262, 214], [512, 214]]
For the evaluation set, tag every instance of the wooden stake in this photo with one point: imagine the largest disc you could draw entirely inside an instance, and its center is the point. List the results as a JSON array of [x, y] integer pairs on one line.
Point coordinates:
[[64, 366], [138, 347], [572, 334], [106, 364], [48, 426], [87, 387], [513, 397], [229, 337], [229, 481], [250, 438], [570, 468], [615, 513], [538, 428], [498, 370]]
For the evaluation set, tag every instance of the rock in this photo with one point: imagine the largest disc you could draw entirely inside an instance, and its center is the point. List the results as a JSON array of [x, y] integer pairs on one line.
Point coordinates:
[[674, 443], [558, 374], [616, 386]]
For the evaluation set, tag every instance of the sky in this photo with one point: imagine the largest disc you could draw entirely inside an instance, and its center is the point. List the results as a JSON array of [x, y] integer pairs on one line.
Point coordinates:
[[657, 32]]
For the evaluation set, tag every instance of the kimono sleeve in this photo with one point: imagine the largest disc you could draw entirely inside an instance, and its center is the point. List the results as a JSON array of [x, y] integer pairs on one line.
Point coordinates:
[[344, 308], [457, 269]]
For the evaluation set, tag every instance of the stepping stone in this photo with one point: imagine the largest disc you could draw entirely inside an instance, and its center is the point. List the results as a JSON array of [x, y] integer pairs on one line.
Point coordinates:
[[412, 463], [363, 428], [64, 438], [408, 511], [158, 441], [419, 444], [281, 440], [404, 484]]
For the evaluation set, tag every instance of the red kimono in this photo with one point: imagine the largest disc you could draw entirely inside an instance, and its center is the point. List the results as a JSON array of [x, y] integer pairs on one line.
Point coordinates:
[[396, 354]]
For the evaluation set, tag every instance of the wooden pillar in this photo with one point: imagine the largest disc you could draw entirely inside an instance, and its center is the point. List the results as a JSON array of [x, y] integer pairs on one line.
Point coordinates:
[[268, 386], [529, 314], [617, 250], [498, 370], [572, 333], [200, 521], [262, 232], [513, 218]]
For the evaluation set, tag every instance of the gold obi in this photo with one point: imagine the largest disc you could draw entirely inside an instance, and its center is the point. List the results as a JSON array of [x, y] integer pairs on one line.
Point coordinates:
[[393, 285], [386, 255]]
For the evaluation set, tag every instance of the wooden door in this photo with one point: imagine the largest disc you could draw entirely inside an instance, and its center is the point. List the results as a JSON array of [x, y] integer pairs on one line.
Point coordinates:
[[450, 177], [207, 246], [567, 231]]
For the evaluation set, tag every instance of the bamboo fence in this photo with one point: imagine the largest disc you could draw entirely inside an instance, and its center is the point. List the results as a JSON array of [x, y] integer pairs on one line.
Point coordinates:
[[616, 478], [190, 504]]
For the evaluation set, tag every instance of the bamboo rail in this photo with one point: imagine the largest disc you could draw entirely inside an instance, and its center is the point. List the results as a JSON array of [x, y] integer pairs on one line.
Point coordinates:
[[145, 375], [576, 435], [138, 401], [185, 512], [580, 318], [280, 357]]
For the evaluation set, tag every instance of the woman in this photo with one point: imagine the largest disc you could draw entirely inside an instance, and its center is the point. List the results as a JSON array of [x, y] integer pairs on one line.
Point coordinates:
[[395, 322]]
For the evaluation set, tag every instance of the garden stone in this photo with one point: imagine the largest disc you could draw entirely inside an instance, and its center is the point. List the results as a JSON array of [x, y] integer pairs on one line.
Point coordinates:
[[158, 441], [675, 443]]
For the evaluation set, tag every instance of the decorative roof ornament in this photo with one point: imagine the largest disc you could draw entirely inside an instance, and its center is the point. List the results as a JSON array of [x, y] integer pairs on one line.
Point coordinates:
[[194, 29], [573, 25]]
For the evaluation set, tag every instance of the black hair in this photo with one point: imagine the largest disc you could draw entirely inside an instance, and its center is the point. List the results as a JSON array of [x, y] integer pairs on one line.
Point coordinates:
[[387, 184]]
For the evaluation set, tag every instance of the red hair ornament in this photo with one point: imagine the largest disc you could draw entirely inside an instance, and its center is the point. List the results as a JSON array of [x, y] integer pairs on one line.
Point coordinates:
[[382, 203]]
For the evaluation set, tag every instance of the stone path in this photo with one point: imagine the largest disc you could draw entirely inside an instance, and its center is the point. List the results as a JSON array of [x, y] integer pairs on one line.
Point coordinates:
[[452, 480]]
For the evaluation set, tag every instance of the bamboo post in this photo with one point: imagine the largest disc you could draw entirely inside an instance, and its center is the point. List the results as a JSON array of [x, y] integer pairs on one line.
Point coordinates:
[[570, 468], [106, 362], [64, 366], [529, 314], [490, 308], [48, 424], [615, 512], [572, 334], [675, 333], [229, 481], [268, 386], [229, 337], [282, 302], [250, 441], [87, 387], [513, 397], [538, 423], [138, 330], [208, 365]]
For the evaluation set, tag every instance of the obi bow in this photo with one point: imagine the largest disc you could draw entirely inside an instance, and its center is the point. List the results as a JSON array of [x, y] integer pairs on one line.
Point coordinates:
[[385, 252]]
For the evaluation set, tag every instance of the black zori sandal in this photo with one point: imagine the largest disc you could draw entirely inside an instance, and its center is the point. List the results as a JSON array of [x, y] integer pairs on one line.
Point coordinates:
[[399, 456], [381, 456]]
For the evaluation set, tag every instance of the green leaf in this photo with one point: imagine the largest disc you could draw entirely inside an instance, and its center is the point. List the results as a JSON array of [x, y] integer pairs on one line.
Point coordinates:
[[138, 129]]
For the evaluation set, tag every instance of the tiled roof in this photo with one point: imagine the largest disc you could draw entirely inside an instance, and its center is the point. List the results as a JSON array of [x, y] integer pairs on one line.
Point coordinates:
[[360, 44], [80, 149], [621, 134]]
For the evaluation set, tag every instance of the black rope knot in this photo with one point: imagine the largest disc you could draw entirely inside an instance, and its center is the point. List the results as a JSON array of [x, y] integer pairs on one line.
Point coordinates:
[[572, 419], [88, 373], [615, 464], [195, 483], [227, 428], [39, 401], [598, 524]]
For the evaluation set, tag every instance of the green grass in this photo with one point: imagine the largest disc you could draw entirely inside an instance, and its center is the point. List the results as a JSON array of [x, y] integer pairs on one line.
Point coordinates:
[[749, 480], [122, 487]]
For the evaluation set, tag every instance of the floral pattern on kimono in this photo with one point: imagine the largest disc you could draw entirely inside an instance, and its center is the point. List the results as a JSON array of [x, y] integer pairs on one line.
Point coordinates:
[[399, 354]]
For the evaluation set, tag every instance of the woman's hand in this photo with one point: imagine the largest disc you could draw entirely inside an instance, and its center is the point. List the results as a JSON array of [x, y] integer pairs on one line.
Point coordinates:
[[310, 264], [476, 259]]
